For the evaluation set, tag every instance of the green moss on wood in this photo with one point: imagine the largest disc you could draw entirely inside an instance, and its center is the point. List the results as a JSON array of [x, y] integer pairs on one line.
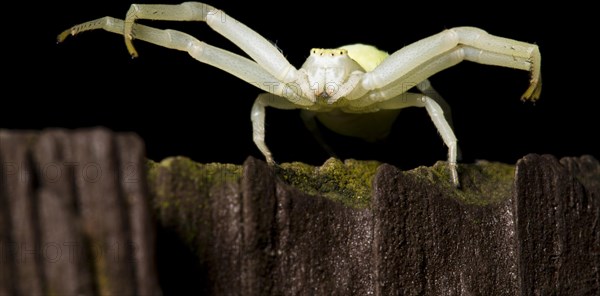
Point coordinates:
[[482, 183], [180, 189], [189, 175], [349, 182]]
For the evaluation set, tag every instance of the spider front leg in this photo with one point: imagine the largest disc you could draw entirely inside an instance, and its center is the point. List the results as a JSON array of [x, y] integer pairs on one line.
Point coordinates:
[[422, 59], [188, 11], [257, 47], [436, 113], [234, 64], [257, 116]]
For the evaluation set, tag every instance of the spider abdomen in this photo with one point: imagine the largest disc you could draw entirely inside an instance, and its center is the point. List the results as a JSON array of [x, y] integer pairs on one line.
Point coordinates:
[[371, 126]]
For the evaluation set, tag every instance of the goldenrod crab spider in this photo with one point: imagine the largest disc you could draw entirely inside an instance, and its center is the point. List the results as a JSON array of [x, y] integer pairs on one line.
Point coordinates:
[[353, 90]]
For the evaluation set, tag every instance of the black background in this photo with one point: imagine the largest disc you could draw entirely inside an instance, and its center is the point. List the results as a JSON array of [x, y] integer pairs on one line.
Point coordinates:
[[90, 80]]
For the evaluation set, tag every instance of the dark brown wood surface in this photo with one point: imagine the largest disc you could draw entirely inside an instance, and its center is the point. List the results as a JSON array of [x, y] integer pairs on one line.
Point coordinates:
[[82, 212]]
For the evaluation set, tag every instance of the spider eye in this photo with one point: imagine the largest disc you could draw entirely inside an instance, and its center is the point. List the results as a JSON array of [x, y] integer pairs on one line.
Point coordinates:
[[332, 54]]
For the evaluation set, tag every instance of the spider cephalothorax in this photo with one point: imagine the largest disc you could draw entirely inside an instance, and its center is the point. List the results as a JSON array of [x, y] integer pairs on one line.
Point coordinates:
[[327, 70], [348, 89]]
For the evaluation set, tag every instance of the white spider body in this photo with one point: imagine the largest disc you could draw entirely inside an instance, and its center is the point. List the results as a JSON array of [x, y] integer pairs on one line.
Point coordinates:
[[329, 68], [355, 90], [326, 69]]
